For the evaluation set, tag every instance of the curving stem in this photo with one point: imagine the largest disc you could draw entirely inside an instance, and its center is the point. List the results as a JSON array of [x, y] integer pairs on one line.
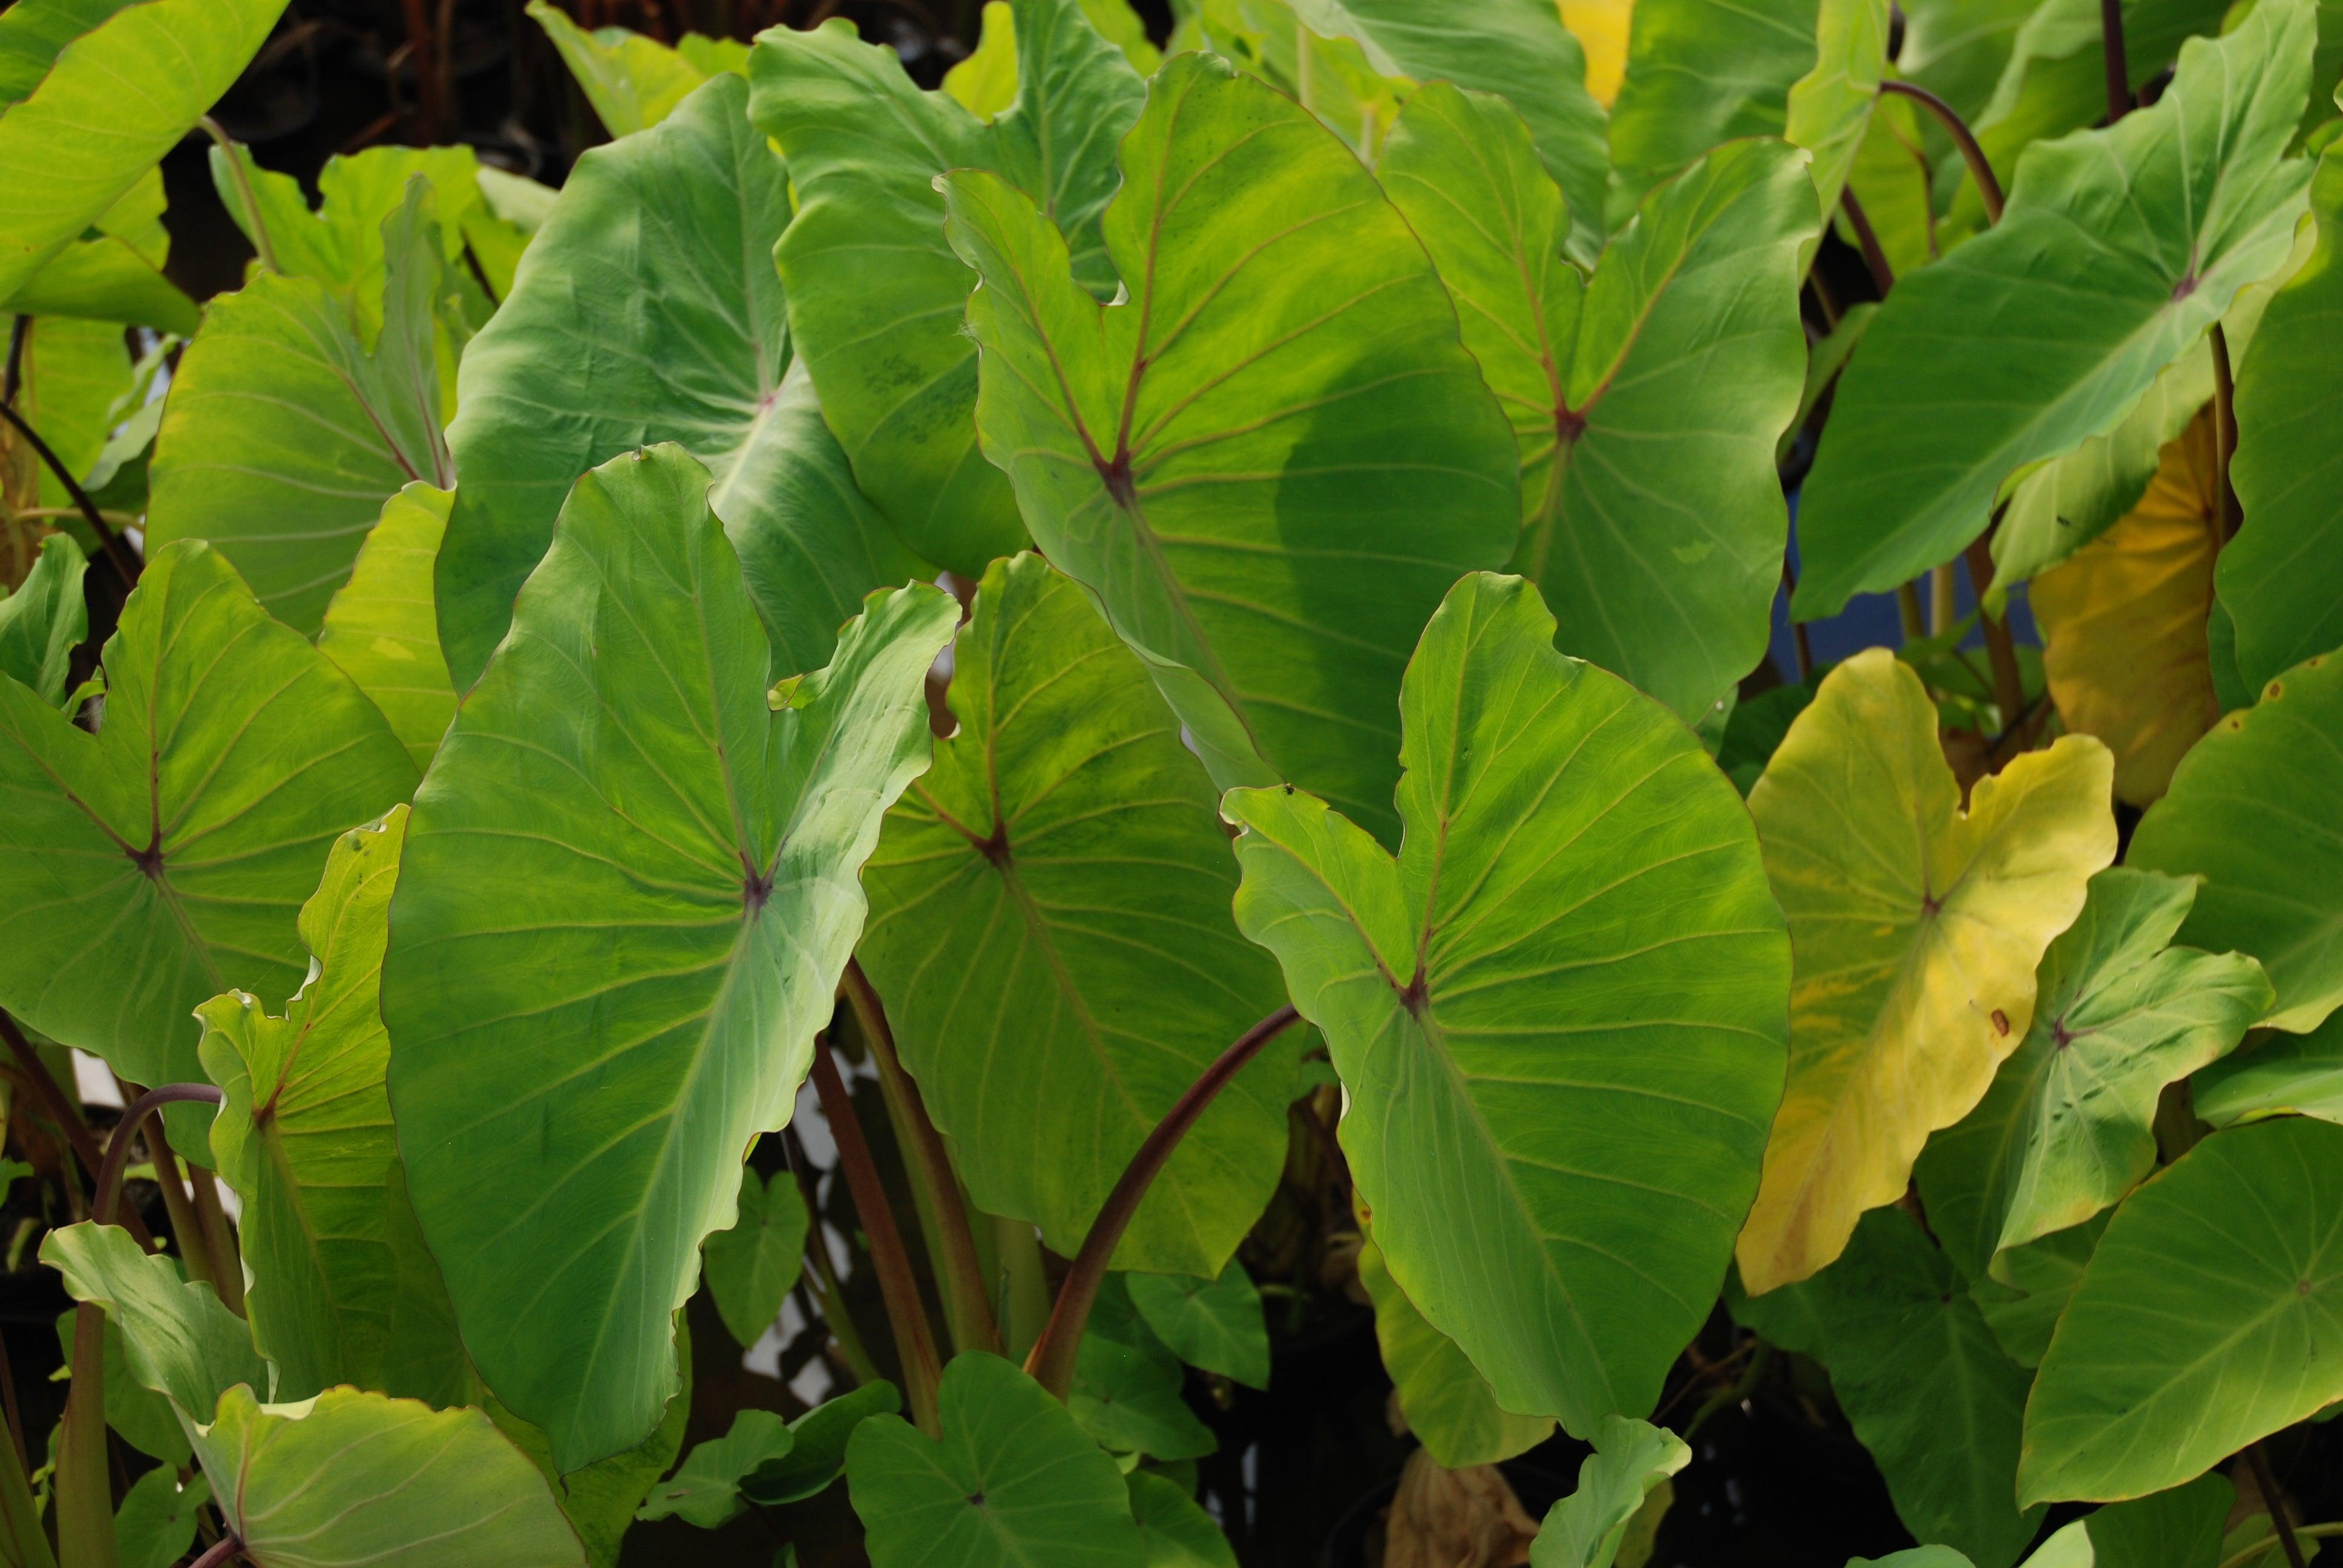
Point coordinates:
[[1980, 168], [1051, 1364], [220, 1553], [117, 1149]]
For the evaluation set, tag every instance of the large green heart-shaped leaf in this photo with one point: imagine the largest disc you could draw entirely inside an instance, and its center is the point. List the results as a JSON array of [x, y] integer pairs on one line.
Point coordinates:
[[2118, 248], [2067, 1129], [1558, 1013], [164, 860], [94, 96], [380, 626], [177, 1340], [1447, 1403], [1646, 402], [2254, 811], [2279, 578], [2210, 1315], [1517, 49], [1917, 928], [45, 620], [876, 294], [1700, 73], [577, 1077], [1013, 1480], [284, 433], [353, 1478], [646, 309], [1272, 459], [1924, 1383], [305, 1138], [1049, 928], [1585, 1529]]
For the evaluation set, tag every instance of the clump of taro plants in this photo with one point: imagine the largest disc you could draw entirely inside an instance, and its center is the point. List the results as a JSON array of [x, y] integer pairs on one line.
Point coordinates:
[[1017, 749]]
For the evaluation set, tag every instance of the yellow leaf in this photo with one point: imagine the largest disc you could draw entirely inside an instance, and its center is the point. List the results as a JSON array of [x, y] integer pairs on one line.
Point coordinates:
[[1600, 28], [1915, 930], [2123, 622]]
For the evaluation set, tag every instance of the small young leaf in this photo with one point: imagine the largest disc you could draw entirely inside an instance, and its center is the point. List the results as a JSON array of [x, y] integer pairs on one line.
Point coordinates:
[[704, 1489], [751, 1266], [176, 1338], [819, 1440], [45, 620], [632, 82], [1215, 1324], [1177, 1531], [1916, 925], [1127, 1385], [156, 1524], [1630, 1459], [1012, 1481]]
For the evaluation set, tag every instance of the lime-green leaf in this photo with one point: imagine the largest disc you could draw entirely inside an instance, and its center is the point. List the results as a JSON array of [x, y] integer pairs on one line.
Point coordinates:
[[657, 260], [1917, 927], [183, 837], [1215, 1324], [633, 81], [818, 1446], [1446, 1402], [1049, 928], [1647, 401], [352, 1478], [2210, 1315], [2286, 1074], [1270, 460], [1928, 1388], [986, 82], [176, 1338], [45, 620], [1127, 1383], [2053, 79], [1700, 73], [1830, 107], [575, 1078], [74, 374], [88, 118], [1517, 49], [1329, 76], [380, 626], [751, 1266], [1012, 1481], [284, 434], [2065, 1130], [704, 1489], [1562, 1043], [139, 1415], [109, 277], [876, 294], [2277, 577], [305, 1138], [2254, 811], [1585, 1529], [2118, 248]]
